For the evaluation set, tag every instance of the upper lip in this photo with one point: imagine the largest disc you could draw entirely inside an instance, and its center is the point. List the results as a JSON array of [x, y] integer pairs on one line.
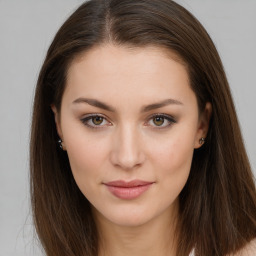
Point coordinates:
[[128, 184]]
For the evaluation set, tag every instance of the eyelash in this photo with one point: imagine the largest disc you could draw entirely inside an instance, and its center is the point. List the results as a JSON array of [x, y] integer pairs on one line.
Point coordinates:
[[169, 118]]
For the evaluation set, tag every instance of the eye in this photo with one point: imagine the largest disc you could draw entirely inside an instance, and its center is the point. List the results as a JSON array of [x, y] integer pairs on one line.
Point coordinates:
[[95, 121], [161, 120], [98, 121]]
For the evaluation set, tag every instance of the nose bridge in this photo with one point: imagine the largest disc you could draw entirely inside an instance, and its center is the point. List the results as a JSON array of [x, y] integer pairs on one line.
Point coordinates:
[[126, 151]]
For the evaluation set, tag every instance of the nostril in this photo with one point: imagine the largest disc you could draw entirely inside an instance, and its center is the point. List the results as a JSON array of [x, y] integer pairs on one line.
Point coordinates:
[[127, 160]]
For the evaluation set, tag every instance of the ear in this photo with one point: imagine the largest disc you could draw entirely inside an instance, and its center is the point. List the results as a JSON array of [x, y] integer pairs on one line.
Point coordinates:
[[58, 125], [203, 125]]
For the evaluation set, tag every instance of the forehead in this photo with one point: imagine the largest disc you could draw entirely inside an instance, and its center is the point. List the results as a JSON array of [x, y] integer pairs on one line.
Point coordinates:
[[124, 53], [119, 71]]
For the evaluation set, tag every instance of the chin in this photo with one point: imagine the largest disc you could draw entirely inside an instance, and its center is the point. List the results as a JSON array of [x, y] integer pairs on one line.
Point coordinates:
[[129, 220], [131, 215]]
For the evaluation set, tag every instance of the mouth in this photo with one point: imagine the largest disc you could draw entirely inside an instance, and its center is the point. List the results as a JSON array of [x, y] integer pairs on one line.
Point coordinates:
[[128, 190]]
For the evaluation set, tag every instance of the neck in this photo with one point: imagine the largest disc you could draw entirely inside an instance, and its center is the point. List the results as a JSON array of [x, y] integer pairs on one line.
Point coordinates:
[[156, 237]]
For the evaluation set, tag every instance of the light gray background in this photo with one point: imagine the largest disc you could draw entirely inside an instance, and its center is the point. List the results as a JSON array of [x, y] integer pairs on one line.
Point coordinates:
[[26, 30]]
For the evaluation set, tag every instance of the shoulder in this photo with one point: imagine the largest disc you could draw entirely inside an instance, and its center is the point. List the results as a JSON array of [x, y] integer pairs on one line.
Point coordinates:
[[248, 250]]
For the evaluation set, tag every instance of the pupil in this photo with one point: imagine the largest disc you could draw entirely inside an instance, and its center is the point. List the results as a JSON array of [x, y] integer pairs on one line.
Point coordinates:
[[97, 120], [158, 121]]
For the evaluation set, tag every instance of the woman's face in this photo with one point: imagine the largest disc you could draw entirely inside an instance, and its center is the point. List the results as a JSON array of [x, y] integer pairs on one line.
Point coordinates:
[[130, 123]]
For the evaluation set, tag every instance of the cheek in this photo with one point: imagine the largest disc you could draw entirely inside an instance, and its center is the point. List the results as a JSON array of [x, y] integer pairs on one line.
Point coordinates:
[[87, 160], [172, 162], [87, 154], [175, 152]]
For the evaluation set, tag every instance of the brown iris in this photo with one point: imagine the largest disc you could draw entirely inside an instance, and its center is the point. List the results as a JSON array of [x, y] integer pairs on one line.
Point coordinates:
[[97, 120], [158, 120]]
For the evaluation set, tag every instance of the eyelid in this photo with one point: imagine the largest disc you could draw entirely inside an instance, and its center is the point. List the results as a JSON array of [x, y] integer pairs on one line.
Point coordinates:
[[88, 117], [169, 118]]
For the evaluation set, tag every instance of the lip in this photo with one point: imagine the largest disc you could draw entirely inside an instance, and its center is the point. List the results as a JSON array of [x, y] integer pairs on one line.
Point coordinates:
[[128, 189]]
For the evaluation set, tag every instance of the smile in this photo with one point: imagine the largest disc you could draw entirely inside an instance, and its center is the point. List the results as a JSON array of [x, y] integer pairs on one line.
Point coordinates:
[[128, 190]]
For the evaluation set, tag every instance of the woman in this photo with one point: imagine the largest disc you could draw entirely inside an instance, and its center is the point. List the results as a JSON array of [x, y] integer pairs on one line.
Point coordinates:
[[135, 143]]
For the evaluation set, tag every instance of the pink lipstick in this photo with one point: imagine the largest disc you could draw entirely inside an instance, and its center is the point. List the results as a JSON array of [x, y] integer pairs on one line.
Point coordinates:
[[128, 190]]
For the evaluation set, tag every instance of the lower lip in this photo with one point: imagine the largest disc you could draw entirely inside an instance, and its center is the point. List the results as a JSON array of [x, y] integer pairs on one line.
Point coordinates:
[[128, 193]]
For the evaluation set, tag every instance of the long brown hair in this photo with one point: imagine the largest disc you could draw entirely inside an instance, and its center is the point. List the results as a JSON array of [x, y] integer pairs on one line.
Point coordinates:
[[218, 203]]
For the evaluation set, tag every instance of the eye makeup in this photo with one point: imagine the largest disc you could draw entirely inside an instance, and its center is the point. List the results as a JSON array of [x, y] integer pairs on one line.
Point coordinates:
[[156, 121]]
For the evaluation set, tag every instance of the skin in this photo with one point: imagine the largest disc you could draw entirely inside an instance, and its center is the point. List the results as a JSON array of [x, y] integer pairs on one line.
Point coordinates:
[[129, 143]]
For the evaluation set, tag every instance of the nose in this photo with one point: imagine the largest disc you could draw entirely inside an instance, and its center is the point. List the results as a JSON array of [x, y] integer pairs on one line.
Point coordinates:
[[127, 152]]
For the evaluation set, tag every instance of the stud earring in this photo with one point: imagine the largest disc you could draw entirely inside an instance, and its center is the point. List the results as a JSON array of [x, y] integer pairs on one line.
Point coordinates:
[[60, 144], [201, 141]]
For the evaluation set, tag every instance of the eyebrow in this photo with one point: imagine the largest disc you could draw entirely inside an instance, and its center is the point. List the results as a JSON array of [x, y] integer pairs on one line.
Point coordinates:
[[102, 105]]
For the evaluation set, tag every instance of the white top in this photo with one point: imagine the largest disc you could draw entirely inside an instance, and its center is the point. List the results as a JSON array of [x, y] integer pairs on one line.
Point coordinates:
[[192, 253], [248, 250]]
